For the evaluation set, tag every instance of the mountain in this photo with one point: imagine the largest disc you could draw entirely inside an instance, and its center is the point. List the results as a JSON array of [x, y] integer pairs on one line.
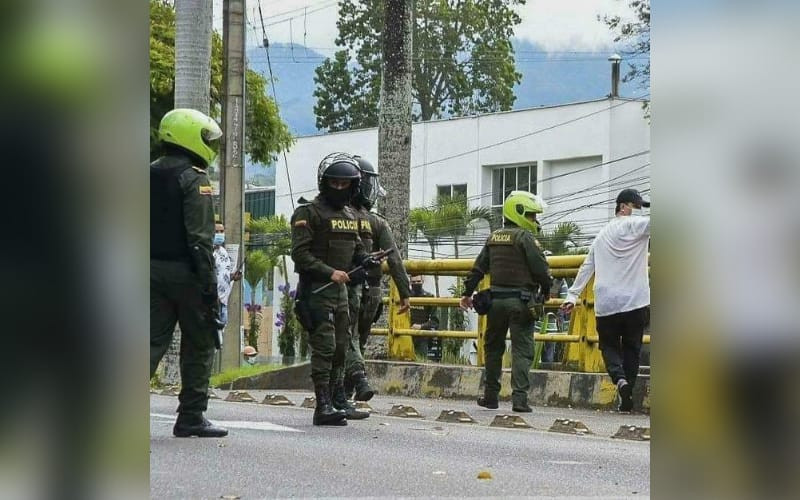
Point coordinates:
[[547, 79]]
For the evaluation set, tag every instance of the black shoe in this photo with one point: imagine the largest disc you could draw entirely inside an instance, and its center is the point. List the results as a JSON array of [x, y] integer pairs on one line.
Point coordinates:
[[349, 386], [324, 414], [196, 425], [625, 395], [340, 402], [521, 407], [363, 391], [488, 402]]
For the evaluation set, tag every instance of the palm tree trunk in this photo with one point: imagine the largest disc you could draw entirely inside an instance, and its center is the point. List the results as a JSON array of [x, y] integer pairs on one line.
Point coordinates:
[[193, 24], [394, 117], [435, 276]]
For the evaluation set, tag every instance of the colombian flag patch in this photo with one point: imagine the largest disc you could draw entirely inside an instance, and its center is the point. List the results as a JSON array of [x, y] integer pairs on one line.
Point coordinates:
[[207, 190]]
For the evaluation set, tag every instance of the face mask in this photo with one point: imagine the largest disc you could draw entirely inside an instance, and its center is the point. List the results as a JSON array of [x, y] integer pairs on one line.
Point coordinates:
[[219, 238], [637, 211], [416, 288], [337, 197]]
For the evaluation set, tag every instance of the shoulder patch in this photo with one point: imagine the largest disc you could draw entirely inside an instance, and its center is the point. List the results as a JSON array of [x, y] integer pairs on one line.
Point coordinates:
[[206, 190], [198, 169], [539, 245], [300, 223]]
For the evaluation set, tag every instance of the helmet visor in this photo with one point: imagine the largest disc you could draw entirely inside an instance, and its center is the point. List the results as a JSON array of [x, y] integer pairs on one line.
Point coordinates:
[[211, 137], [371, 188]]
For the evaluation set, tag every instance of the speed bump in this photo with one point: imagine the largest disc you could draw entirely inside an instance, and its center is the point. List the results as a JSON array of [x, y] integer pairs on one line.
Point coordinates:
[[568, 426], [240, 397], [457, 417], [363, 406], [309, 402], [633, 432], [509, 422], [171, 391], [404, 411], [277, 400]]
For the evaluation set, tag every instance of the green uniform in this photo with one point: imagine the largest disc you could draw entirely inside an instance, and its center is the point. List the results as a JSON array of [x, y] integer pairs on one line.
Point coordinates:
[[325, 239], [518, 268], [182, 279], [366, 299]]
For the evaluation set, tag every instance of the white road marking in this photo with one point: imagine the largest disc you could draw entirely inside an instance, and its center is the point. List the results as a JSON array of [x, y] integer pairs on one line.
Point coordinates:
[[566, 462], [239, 424]]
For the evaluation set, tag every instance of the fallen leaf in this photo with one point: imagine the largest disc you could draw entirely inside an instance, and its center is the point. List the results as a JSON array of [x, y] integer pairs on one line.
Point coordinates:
[[439, 473], [484, 474]]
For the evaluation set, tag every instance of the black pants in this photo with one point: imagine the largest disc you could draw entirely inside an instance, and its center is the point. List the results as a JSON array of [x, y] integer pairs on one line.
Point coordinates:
[[621, 343]]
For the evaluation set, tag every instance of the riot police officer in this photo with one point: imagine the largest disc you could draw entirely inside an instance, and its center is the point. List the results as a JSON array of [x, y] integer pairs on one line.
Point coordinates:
[[365, 300], [519, 285], [424, 318], [325, 245], [183, 285]]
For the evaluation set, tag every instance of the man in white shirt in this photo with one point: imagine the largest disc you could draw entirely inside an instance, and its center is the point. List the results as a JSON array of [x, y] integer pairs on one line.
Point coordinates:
[[618, 260], [226, 274]]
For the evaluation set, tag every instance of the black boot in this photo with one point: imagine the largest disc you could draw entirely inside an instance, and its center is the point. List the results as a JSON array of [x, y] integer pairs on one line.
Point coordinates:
[[195, 424], [340, 402], [363, 391], [521, 406], [349, 386], [324, 414], [488, 401]]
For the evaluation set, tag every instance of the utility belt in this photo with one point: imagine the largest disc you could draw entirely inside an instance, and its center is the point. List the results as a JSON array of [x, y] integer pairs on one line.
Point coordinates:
[[523, 295], [482, 302]]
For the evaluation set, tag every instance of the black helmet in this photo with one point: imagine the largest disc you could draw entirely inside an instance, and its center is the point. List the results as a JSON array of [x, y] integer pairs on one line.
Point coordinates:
[[338, 166], [370, 187]]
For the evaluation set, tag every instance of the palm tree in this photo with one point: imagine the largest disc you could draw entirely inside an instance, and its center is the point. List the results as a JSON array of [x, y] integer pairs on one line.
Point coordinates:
[[272, 233], [450, 217], [193, 25], [258, 265], [556, 240]]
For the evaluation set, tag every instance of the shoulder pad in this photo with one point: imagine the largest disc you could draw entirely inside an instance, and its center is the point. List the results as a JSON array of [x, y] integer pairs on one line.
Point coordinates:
[[303, 201]]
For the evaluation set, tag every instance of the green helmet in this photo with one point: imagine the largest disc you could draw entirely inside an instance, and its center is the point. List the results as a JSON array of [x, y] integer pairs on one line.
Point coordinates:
[[519, 204], [191, 130]]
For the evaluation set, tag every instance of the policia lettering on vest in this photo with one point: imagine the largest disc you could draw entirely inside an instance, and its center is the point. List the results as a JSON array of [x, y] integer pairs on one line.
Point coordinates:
[[520, 283], [325, 245]]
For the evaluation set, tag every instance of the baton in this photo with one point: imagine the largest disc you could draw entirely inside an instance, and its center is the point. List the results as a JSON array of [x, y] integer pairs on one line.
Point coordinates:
[[380, 256]]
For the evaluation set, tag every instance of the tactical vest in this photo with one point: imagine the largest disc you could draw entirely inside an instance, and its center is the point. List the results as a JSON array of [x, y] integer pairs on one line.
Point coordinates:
[[507, 263], [335, 235], [167, 230], [419, 314]]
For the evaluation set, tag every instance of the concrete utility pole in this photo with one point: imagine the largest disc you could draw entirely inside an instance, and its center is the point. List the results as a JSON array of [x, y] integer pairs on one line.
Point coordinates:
[[394, 117], [232, 164]]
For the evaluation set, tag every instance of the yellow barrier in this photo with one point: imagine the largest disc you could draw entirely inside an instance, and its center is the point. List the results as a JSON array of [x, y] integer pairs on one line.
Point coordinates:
[[583, 353]]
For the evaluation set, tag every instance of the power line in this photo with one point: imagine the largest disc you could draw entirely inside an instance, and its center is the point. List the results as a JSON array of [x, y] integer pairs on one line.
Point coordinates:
[[275, 97]]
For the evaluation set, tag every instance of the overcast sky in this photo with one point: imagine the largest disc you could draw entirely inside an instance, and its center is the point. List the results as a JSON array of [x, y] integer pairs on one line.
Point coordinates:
[[556, 25]]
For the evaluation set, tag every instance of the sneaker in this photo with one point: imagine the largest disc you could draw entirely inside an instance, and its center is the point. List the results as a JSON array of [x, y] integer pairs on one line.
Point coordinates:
[[625, 391]]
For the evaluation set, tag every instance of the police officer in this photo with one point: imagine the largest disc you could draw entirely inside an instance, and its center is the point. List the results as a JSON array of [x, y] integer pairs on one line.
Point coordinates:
[[422, 317], [366, 299], [325, 244], [183, 285], [519, 270]]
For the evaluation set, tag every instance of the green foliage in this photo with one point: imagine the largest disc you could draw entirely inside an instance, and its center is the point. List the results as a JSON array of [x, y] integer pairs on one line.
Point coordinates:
[[457, 320], [462, 62], [229, 376], [265, 133], [556, 240], [256, 268]]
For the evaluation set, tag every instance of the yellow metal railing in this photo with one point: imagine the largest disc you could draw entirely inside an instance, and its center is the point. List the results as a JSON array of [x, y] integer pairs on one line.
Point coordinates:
[[582, 354]]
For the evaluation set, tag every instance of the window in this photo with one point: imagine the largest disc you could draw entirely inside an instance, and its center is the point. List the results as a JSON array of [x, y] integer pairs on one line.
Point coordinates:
[[507, 179], [451, 190]]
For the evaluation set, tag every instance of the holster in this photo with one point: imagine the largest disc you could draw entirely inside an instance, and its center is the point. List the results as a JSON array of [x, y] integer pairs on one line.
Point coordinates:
[[482, 302], [302, 309]]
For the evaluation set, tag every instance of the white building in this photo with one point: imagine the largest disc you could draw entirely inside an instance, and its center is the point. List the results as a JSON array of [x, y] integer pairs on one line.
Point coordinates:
[[577, 156]]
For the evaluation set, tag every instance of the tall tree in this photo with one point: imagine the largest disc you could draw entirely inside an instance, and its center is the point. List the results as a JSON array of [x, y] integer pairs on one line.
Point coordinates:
[[463, 61], [634, 35], [394, 117], [193, 20], [266, 134]]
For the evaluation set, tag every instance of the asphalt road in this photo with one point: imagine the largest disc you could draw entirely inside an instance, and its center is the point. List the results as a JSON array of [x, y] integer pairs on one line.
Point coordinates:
[[274, 451]]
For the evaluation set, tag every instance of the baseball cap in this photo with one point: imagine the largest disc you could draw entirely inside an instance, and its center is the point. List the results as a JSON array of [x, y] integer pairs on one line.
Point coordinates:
[[631, 196]]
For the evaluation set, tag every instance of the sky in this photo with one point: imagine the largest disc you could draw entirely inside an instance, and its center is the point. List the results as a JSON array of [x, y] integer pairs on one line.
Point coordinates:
[[555, 25]]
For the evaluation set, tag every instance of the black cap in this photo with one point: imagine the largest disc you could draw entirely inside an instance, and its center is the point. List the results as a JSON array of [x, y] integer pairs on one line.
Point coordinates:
[[631, 196]]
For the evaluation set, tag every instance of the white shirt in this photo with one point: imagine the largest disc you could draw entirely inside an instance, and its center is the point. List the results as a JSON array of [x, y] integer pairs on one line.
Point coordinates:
[[224, 266], [618, 260]]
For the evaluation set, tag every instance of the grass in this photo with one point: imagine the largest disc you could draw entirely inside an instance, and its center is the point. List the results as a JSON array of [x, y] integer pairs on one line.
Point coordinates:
[[229, 376]]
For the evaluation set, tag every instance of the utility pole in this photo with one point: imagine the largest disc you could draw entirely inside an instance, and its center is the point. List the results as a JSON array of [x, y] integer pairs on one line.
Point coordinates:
[[394, 117], [232, 164]]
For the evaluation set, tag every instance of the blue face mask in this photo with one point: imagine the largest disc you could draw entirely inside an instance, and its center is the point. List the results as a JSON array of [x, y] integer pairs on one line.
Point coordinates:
[[219, 238]]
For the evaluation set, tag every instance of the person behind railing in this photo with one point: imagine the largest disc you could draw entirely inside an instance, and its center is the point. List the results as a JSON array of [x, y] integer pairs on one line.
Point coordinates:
[[520, 283], [422, 317], [618, 261]]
